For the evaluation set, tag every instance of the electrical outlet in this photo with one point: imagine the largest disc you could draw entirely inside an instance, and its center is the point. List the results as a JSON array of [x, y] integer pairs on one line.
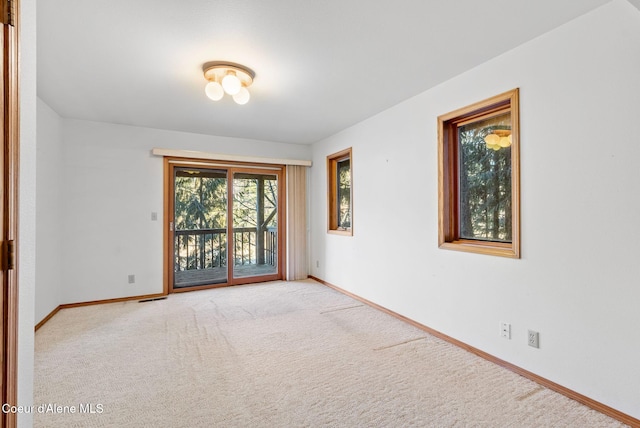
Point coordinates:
[[132, 279], [505, 330], [534, 339], [154, 216], [317, 263]]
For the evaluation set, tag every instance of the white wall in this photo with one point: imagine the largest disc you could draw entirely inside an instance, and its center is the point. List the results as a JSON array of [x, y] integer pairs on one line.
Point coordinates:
[[27, 207], [111, 184], [48, 213], [578, 281]]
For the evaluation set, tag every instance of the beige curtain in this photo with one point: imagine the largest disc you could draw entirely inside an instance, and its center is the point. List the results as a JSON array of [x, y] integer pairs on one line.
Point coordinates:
[[296, 222]]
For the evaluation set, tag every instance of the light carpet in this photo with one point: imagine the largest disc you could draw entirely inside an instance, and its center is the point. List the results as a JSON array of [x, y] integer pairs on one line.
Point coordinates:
[[280, 354]]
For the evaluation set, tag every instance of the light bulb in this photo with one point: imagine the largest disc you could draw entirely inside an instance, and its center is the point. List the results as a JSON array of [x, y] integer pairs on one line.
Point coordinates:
[[491, 139], [505, 141], [242, 97], [214, 91], [231, 84]]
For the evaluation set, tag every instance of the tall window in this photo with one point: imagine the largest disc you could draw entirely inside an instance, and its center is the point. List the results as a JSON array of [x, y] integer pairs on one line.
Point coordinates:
[[340, 192], [479, 177]]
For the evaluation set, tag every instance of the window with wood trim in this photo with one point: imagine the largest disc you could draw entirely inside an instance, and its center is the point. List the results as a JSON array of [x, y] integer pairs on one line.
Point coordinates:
[[478, 177], [340, 192]]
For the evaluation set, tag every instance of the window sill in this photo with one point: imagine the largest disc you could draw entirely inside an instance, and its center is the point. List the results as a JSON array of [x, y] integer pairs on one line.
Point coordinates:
[[490, 249], [347, 232]]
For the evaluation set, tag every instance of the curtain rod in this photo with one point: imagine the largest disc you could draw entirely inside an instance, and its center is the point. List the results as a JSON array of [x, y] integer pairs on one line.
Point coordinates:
[[193, 154]]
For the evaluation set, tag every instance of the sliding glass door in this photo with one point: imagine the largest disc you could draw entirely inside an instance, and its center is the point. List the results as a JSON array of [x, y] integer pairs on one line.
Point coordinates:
[[255, 224], [200, 227], [217, 239]]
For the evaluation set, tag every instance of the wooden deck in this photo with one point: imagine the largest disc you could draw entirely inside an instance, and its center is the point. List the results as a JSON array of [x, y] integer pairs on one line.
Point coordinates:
[[187, 278]]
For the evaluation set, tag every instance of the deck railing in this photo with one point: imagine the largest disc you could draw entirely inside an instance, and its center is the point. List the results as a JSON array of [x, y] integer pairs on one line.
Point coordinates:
[[207, 248]]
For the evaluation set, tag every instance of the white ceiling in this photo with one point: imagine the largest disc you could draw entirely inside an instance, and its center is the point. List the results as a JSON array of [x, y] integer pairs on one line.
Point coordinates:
[[320, 66]]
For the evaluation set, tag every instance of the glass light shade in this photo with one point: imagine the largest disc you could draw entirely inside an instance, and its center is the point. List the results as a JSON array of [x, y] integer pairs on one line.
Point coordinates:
[[491, 139], [505, 141], [242, 97], [214, 91], [231, 84]]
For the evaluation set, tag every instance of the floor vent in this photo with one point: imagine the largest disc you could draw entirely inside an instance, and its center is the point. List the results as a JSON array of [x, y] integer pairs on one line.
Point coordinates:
[[151, 300]]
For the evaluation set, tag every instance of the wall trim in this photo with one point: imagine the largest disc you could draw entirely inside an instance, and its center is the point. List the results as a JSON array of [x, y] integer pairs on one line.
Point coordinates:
[[589, 402], [47, 318], [96, 302]]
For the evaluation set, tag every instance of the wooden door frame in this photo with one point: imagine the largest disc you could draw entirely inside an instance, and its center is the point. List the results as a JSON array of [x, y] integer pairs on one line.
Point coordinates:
[[9, 217], [282, 225], [170, 163]]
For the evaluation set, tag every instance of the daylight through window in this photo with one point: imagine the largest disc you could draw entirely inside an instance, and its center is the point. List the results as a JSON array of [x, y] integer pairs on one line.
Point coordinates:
[[479, 177], [340, 192]]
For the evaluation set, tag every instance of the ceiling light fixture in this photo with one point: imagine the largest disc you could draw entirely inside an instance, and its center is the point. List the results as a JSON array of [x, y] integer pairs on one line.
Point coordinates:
[[230, 78], [499, 138]]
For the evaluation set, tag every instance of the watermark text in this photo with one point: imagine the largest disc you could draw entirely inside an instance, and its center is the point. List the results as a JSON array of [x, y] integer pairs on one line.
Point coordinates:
[[55, 408]]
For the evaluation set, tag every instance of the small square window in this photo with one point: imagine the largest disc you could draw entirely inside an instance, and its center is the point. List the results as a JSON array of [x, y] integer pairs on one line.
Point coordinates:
[[479, 184], [340, 192]]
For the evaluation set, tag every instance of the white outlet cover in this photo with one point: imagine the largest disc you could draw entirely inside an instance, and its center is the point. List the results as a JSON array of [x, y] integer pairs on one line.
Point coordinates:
[[505, 330]]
